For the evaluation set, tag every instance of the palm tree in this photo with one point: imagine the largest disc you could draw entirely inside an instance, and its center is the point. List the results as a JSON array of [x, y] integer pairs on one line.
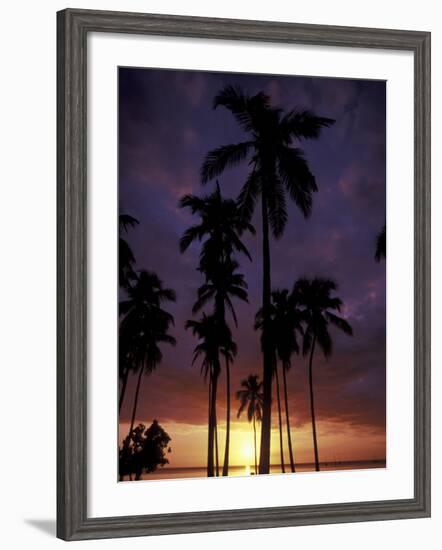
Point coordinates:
[[126, 258], [222, 283], [286, 321], [250, 396], [209, 344], [146, 325], [220, 226], [381, 244], [125, 365], [277, 168], [315, 297]]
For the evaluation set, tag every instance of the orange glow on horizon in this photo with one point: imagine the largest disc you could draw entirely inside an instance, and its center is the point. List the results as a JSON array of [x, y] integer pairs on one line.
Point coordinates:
[[338, 442]]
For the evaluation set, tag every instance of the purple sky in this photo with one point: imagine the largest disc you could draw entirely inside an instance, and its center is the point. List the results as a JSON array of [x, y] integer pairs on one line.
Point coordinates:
[[166, 126]]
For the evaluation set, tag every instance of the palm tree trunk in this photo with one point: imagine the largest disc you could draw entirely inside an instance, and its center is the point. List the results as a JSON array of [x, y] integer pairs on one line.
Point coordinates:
[[227, 447], [212, 427], [254, 438], [210, 432], [266, 424], [216, 446], [137, 392], [123, 389], [312, 405], [281, 447], [287, 420]]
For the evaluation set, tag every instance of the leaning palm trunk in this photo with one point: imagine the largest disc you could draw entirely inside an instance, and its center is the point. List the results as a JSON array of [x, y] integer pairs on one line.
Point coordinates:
[[227, 447], [123, 389], [281, 447], [137, 392], [216, 447], [254, 438], [287, 420], [212, 427], [264, 456], [209, 425], [312, 405]]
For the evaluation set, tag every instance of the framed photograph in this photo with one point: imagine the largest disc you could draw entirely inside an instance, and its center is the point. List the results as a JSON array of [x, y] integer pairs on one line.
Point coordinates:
[[243, 274]]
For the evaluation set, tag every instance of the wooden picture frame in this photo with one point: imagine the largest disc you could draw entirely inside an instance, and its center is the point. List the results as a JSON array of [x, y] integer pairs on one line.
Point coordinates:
[[73, 27]]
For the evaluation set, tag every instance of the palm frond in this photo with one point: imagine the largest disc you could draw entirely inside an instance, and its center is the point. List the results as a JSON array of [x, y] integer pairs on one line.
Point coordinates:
[[219, 159], [244, 108], [324, 340], [195, 203], [340, 323], [191, 234], [296, 176], [126, 220], [381, 244], [277, 209], [248, 195], [304, 124]]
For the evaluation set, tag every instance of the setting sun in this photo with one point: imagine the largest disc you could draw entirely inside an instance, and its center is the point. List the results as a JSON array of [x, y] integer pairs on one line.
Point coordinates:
[[247, 453]]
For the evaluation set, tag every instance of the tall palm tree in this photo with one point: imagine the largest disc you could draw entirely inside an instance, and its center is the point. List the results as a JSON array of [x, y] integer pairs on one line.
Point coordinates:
[[286, 321], [319, 307], [222, 283], [250, 397], [277, 168], [381, 244], [145, 324], [210, 342], [126, 258], [220, 228]]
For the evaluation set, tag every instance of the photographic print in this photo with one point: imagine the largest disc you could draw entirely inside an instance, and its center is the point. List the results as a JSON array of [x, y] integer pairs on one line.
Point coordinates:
[[252, 274]]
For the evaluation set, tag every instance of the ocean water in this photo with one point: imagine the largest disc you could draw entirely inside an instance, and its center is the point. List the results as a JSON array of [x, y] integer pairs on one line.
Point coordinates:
[[186, 473]]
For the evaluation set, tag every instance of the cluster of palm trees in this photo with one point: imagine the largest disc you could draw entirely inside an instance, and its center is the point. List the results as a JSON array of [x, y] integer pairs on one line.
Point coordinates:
[[144, 324], [220, 227], [277, 170], [302, 315]]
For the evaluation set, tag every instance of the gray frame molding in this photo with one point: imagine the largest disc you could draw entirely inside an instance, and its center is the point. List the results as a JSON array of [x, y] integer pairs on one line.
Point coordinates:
[[73, 27]]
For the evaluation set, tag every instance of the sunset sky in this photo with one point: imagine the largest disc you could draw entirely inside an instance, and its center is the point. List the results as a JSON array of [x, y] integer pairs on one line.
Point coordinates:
[[166, 126]]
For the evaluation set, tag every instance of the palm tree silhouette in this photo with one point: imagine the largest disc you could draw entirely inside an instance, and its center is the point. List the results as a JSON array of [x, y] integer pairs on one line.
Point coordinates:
[[381, 244], [223, 283], [277, 169], [220, 227], [315, 297], [126, 275], [286, 322], [126, 259], [145, 325], [213, 340], [250, 397]]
